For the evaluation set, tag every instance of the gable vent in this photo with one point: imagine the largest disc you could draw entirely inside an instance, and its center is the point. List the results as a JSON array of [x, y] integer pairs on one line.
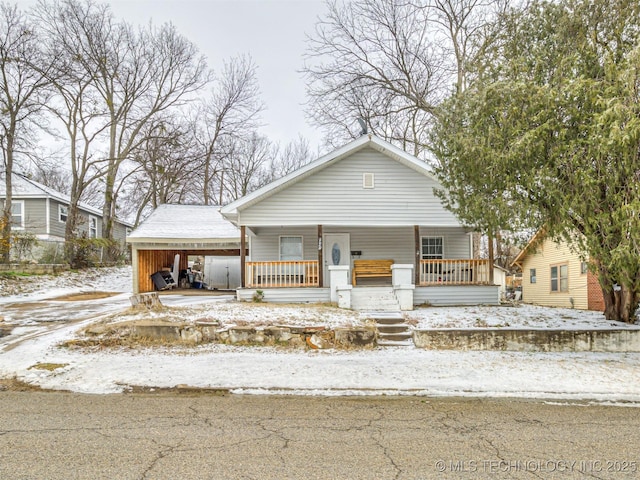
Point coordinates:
[[368, 180]]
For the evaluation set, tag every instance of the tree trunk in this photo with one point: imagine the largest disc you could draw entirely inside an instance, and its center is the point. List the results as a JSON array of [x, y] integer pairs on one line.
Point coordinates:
[[491, 255], [620, 301], [5, 241]]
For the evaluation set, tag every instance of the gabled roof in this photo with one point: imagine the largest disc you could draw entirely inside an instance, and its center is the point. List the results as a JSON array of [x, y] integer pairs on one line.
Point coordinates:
[[231, 210], [23, 188], [531, 245], [194, 223]]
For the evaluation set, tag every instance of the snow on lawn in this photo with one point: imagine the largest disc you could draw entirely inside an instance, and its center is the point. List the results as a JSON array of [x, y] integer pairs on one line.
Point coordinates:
[[228, 312], [38, 287], [269, 370], [519, 316]]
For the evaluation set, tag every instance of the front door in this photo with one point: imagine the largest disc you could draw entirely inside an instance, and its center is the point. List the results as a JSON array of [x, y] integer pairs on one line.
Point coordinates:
[[336, 251]]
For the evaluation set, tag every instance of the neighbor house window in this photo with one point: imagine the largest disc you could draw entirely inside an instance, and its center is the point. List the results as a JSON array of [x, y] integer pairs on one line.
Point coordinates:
[[63, 213], [532, 275], [290, 248], [560, 278], [432, 248], [17, 214], [584, 268], [93, 227]]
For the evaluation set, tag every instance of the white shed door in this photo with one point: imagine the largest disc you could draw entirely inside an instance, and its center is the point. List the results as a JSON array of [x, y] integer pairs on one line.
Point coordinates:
[[222, 272]]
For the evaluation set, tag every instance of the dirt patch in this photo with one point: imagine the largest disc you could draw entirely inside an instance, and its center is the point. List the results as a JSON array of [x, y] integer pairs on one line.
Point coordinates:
[[78, 297], [47, 366], [179, 389], [15, 385]]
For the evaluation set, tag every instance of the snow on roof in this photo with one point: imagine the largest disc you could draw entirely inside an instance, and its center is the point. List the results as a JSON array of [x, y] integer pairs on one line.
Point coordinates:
[[189, 222], [23, 187]]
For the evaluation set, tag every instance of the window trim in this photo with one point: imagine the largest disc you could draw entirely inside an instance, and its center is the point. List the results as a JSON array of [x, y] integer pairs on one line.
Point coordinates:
[[533, 277], [95, 219], [584, 268], [301, 237], [422, 254], [558, 267], [66, 213], [369, 180], [22, 222]]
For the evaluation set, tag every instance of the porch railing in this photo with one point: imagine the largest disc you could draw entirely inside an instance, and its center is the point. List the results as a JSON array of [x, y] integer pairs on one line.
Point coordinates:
[[303, 273], [454, 272]]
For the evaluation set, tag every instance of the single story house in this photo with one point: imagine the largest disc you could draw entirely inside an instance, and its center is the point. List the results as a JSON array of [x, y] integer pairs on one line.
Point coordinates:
[[43, 211], [554, 275], [361, 227], [174, 233]]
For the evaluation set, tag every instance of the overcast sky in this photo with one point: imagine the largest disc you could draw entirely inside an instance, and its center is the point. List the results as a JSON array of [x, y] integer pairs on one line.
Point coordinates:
[[271, 31]]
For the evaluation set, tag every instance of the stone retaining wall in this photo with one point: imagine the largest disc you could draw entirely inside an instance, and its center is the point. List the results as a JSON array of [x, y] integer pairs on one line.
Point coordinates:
[[605, 340], [313, 337], [34, 268]]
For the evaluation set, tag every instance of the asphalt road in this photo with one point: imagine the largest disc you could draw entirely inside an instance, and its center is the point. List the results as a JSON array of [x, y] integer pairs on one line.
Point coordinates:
[[196, 436]]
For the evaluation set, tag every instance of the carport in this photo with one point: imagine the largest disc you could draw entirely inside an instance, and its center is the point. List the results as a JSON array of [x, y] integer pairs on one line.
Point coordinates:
[[188, 231]]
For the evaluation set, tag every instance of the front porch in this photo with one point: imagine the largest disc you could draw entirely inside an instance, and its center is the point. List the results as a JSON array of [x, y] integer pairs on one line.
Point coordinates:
[[440, 282], [305, 273]]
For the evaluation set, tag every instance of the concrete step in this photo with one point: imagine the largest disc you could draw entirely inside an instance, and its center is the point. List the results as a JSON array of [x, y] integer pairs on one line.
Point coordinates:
[[395, 343], [397, 328], [374, 298], [389, 321], [396, 337]]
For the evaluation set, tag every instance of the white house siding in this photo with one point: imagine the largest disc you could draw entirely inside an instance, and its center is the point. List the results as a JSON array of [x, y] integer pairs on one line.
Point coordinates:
[[335, 196], [546, 254], [457, 295], [396, 243], [266, 246]]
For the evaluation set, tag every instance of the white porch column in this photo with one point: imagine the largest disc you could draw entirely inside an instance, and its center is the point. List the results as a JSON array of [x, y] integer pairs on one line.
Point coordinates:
[[403, 287], [338, 278]]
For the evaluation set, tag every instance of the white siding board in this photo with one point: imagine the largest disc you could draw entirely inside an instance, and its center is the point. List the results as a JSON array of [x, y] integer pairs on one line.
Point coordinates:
[[375, 243], [457, 295], [334, 196]]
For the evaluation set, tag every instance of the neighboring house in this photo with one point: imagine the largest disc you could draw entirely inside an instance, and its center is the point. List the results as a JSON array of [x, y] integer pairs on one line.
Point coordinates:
[[554, 275], [42, 211], [309, 232], [185, 231]]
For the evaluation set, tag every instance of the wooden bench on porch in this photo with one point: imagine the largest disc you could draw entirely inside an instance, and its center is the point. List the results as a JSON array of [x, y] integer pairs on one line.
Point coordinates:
[[370, 268]]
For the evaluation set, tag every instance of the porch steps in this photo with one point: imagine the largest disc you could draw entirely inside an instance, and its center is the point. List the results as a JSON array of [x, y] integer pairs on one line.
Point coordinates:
[[392, 331], [379, 299]]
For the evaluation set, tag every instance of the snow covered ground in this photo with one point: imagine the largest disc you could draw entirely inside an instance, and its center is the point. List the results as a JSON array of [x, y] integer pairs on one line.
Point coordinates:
[[37, 334]]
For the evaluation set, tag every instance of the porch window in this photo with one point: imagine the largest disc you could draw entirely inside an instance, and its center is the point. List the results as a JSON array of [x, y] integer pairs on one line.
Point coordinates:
[[63, 213], [93, 227], [532, 275], [432, 248], [291, 248], [17, 214], [560, 278]]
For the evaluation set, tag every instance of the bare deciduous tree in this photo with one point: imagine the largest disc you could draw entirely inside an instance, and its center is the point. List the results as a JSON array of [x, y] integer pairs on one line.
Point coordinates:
[[247, 166], [23, 88], [132, 77], [295, 154], [391, 63], [229, 114]]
